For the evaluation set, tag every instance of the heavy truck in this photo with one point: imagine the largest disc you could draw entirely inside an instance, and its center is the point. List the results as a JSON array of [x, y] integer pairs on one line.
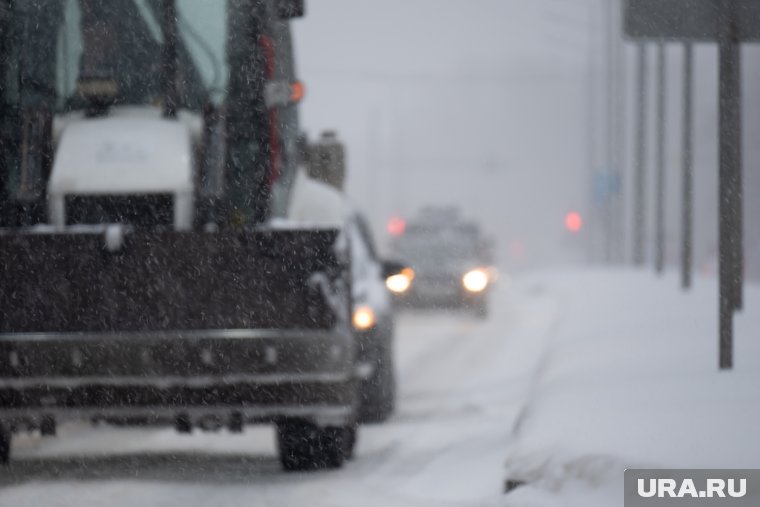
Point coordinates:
[[146, 149]]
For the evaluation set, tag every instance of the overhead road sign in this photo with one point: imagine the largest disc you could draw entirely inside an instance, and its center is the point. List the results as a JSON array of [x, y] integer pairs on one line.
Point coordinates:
[[692, 20]]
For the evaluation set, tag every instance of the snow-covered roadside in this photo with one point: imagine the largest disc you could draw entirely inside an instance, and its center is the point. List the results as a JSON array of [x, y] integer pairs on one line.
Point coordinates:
[[630, 379]]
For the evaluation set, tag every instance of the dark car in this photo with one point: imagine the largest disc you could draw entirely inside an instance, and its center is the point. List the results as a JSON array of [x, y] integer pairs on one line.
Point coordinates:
[[449, 260], [373, 323]]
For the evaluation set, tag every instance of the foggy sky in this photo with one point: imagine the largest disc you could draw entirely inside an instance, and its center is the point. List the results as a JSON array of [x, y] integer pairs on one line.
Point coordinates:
[[479, 104], [497, 106]]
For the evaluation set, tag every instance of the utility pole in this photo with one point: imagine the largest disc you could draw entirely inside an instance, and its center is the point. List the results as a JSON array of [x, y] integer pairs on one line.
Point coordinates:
[[639, 184], [594, 130], [687, 182], [616, 113], [729, 204], [611, 177], [660, 177], [620, 131]]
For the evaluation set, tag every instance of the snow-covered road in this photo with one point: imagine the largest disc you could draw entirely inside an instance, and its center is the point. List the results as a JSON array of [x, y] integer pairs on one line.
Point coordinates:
[[463, 384], [575, 377]]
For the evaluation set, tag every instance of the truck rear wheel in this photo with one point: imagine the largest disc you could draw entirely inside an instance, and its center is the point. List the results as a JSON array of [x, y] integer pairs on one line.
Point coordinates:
[[5, 444], [305, 446]]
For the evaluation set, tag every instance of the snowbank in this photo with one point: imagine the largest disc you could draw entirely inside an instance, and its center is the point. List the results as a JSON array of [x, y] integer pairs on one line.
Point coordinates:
[[630, 379]]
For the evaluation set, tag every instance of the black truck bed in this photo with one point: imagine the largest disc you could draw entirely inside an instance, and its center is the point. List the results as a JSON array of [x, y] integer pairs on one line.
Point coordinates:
[[247, 323]]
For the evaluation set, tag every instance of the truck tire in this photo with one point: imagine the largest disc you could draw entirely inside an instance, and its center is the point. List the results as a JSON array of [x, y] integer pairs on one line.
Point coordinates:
[[305, 446], [378, 393], [5, 444]]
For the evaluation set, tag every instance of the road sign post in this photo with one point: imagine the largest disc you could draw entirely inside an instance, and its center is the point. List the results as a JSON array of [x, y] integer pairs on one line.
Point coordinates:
[[687, 183], [639, 178], [659, 258], [730, 132]]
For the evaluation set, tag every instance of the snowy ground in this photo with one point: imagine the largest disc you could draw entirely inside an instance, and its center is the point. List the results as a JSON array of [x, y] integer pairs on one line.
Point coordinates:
[[575, 376], [630, 380]]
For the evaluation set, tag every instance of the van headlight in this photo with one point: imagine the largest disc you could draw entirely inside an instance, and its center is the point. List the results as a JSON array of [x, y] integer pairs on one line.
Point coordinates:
[[475, 280], [364, 318]]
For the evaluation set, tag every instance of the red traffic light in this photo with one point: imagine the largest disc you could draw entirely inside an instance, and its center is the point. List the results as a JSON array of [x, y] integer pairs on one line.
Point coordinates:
[[396, 226], [573, 222]]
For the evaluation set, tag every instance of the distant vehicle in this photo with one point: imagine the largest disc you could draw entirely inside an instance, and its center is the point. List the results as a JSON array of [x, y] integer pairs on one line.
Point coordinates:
[[449, 261], [373, 323]]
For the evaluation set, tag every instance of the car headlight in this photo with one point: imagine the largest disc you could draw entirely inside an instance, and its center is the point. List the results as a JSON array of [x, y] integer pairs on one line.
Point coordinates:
[[475, 280], [400, 283], [364, 318]]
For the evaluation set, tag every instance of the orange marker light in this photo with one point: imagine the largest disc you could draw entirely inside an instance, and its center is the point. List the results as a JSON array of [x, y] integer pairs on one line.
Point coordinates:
[[297, 91]]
